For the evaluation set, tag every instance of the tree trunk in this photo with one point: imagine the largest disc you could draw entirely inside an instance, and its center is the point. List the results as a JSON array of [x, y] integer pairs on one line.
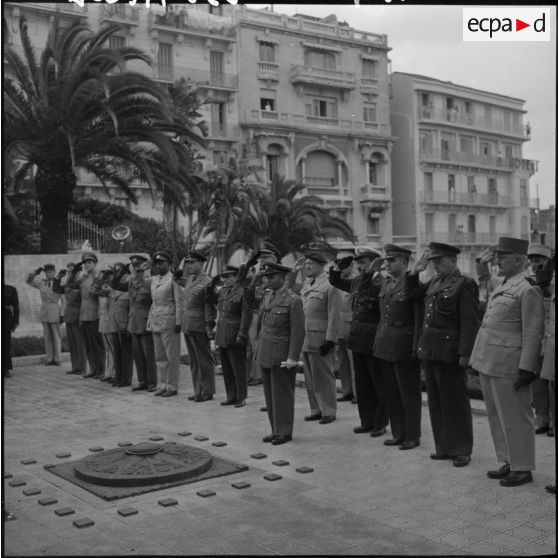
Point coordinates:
[[54, 187]]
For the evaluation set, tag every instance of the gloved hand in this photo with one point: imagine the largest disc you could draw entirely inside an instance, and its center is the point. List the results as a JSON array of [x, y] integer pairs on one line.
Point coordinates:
[[78, 267], [326, 347], [38, 270], [252, 261], [525, 378], [289, 363], [177, 274], [177, 328], [61, 273], [463, 362], [344, 263], [214, 281], [61, 319], [240, 339]]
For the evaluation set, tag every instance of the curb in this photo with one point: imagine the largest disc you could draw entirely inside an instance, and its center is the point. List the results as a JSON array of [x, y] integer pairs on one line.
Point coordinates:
[[34, 360]]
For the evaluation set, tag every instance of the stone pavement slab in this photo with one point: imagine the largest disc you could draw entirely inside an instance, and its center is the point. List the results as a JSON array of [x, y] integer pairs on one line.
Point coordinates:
[[360, 498]]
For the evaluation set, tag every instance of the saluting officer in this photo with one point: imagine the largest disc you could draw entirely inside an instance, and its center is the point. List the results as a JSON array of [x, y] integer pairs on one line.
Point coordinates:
[[143, 351], [280, 339], [198, 322], [451, 322], [164, 320], [322, 315], [396, 345], [506, 353], [235, 315], [366, 316]]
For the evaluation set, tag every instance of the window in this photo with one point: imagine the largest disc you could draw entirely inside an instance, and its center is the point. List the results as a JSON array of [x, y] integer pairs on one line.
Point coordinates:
[[373, 225], [324, 107], [507, 120], [370, 69], [525, 227], [485, 148], [452, 223], [117, 42], [321, 170], [451, 187], [266, 52], [272, 166], [428, 186], [425, 100], [218, 118], [426, 142], [471, 187], [488, 114], [373, 172], [369, 112], [164, 61], [216, 67], [216, 10], [492, 227], [471, 223], [492, 190], [468, 107], [451, 107], [523, 193], [429, 223], [320, 59], [466, 144], [267, 104]]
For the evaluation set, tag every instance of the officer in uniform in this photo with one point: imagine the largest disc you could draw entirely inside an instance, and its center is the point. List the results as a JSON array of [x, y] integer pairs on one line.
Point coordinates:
[[10, 321], [344, 262], [396, 345], [143, 352], [280, 339], [366, 316], [51, 313], [163, 322], [506, 353], [198, 322], [451, 322], [89, 316], [231, 334], [322, 315]]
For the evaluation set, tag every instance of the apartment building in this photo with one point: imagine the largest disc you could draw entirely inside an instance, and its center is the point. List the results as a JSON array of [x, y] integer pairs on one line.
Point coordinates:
[[458, 174]]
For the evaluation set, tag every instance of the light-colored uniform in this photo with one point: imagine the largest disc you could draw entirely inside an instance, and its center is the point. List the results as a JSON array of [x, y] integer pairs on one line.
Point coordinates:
[[346, 367], [508, 340]]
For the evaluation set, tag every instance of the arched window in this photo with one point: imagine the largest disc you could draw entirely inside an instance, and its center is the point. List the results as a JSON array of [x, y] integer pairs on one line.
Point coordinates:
[[321, 170], [274, 165], [376, 169]]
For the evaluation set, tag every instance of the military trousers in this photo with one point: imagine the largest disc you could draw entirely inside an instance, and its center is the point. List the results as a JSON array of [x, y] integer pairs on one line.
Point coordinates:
[[233, 364], [122, 357], [346, 368], [253, 370], [143, 352], [53, 341], [6, 350], [320, 383], [511, 421], [279, 393], [94, 346], [544, 410], [109, 359], [202, 364], [449, 407], [76, 342], [166, 345], [370, 393], [404, 398]]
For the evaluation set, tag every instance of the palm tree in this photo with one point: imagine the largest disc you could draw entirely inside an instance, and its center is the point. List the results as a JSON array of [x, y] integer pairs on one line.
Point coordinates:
[[79, 108]]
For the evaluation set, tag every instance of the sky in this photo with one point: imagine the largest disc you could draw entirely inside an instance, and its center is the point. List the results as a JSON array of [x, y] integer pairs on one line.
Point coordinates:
[[428, 40]]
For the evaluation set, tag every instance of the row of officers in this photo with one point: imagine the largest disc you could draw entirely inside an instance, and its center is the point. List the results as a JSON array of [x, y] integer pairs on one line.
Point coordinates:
[[386, 319]]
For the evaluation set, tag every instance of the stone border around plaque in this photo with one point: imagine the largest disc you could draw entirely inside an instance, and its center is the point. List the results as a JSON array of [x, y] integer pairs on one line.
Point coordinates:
[[258, 456], [201, 438], [280, 463], [219, 444], [83, 522], [63, 455], [166, 502], [47, 501], [31, 491], [206, 493], [18, 482], [127, 511], [240, 485], [272, 477], [304, 469], [184, 433], [64, 511], [28, 461]]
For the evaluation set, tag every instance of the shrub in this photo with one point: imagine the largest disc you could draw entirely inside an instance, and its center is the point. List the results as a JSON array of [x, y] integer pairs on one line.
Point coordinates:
[[27, 346]]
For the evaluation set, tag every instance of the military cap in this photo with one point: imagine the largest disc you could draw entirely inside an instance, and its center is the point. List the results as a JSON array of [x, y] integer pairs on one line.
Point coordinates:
[[137, 258], [439, 250], [230, 270], [273, 268], [508, 245], [539, 250], [392, 250], [342, 254], [315, 256], [89, 257], [161, 255], [49, 267], [195, 257], [366, 252]]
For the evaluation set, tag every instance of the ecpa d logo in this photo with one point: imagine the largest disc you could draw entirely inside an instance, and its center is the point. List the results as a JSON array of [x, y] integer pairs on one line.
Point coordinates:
[[506, 24]]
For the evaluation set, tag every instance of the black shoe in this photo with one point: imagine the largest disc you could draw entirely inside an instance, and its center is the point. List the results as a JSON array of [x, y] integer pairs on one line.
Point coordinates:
[[263, 409], [268, 438], [103, 378], [192, 397], [204, 397], [254, 382], [439, 456], [50, 363], [151, 388], [461, 460], [139, 387], [326, 419], [502, 472], [169, 393], [354, 401], [361, 430], [108, 380], [240, 404], [89, 375], [551, 488], [542, 429], [227, 402], [160, 391], [99, 375], [376, 432], [517, 478], [281, 439], [409, 444], [348, 397], [125, 384], [550, 433], [74, 372], [313, 417], [394, 441]]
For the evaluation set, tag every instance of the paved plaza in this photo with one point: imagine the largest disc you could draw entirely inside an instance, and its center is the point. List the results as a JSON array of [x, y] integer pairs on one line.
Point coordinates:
[[361, 497]]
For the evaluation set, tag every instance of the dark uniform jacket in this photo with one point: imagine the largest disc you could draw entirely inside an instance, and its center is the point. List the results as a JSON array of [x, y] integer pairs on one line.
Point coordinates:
[[451, 318], [10, 308], [235, 315], [89, 310], [400, 319], [72, 291], [199, 312], [139, 290], [365, 308], [280, 328]]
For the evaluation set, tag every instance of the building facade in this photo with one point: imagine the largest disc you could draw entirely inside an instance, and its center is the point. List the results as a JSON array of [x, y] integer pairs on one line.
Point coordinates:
[[458, 175], [543, 226]]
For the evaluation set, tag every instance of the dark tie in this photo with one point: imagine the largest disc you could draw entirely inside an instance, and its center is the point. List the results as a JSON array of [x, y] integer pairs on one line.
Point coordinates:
[[312, 281]]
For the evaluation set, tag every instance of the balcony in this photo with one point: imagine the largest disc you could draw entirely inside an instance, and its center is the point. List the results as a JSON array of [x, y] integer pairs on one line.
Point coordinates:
[[207, 79], [268, 70], [64, 8], [193, 22], [466, 198], [465, 159], [323, 186], [120, 13], [373, 192], [449, 116], [320, 76], [460, 238]]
